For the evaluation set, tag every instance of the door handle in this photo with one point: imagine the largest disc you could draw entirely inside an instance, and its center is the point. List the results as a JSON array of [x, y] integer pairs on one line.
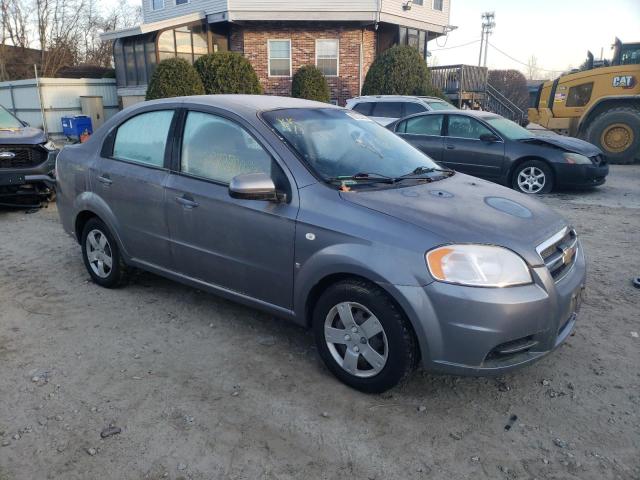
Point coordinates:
[[187, 202], [104, 179], [451, 147]]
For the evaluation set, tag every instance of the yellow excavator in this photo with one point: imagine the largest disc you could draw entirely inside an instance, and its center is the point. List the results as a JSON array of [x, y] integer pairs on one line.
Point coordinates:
[[600, 105]]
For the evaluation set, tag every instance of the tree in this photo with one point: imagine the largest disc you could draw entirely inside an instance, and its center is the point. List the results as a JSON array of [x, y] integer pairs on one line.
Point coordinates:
[[227, 72], [400, 70], [309, 82], [174, 77], [533, 72], [512, 84], [66, 32]]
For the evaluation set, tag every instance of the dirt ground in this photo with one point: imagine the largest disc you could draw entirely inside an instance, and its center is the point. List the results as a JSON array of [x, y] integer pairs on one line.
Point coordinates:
[[202, 388]]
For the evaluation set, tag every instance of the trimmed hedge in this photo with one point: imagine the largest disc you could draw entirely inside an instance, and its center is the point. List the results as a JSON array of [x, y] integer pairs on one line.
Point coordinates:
[[174, 77], [227, 72], [309, 82], [398, 71]]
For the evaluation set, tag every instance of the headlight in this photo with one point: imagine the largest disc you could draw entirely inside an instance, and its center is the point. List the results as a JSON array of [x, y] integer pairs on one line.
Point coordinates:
[[477, 266], [50, 146], [577, 159]]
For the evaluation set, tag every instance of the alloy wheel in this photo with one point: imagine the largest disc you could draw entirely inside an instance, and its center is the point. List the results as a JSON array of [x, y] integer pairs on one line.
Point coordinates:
[[531, 180], [356, 339], [99, 253]]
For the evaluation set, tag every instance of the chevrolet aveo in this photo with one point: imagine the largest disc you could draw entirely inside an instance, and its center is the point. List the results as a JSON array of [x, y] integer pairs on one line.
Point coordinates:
[[317, 214]]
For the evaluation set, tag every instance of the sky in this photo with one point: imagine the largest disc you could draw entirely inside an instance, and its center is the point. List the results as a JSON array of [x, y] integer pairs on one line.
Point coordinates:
[[557, 32]]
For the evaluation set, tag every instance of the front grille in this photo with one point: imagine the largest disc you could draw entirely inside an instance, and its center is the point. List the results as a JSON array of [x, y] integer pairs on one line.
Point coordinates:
[[25, 156], [599, 160], [559, 252]]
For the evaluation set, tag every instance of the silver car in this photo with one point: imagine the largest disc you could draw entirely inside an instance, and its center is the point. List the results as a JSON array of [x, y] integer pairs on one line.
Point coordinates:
[[385, 109], [319, 215]]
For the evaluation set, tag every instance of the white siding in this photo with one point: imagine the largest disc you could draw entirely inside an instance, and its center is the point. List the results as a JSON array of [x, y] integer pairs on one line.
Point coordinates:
[[420, 16], [171, 10], [418, 13]]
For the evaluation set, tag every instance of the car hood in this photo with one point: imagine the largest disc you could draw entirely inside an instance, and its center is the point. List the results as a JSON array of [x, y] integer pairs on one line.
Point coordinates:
[[570, 144], [465, 209], [22, 136]]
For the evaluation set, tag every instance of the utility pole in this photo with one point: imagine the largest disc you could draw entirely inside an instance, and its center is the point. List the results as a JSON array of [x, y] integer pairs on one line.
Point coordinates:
[[488, 24]]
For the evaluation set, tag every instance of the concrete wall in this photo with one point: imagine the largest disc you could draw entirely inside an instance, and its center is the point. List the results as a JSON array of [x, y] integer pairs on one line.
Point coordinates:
[[60, 98]]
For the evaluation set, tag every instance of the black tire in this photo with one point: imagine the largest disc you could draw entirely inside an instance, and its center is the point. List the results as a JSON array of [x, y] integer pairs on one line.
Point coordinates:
[[402, 353], [629, 116], [117, 273], [541, 166]]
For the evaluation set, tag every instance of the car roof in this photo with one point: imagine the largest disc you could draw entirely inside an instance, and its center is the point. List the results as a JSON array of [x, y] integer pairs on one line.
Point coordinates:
[[466, 113], [396, 97], [244, 103]]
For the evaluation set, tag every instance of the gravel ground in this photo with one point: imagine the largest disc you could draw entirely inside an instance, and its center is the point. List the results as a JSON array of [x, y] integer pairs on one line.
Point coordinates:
[[202, 388]]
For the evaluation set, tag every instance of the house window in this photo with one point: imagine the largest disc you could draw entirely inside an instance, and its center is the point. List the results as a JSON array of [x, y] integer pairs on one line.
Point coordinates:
[[182, 2], [418, 2], [327, 54], [188, 42], [437, 4], [414, 38], [279, 52], [135, 59], [157, 4]]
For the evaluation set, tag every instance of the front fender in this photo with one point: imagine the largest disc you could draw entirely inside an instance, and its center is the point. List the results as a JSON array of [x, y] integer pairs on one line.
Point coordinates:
[[378, 264]]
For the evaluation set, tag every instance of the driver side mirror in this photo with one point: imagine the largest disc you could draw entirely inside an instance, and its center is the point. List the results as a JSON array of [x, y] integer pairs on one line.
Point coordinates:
[[489, 138], [254, 186]]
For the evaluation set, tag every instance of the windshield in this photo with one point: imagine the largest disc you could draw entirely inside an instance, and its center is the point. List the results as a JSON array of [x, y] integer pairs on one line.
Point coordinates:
[[7, 120], [440, 106], [508, 129], [342, 143]]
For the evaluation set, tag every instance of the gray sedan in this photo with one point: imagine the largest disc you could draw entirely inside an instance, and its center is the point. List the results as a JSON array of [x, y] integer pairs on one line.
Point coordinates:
[[319, 215]]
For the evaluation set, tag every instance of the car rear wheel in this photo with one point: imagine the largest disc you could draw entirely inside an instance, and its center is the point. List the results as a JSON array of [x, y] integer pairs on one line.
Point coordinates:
[[363, 337], [101, 255], [533, 177]]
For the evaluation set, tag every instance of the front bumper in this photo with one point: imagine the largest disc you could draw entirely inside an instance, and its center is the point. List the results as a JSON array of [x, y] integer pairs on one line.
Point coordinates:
[[568, 175], [484, 331], [28, 186]]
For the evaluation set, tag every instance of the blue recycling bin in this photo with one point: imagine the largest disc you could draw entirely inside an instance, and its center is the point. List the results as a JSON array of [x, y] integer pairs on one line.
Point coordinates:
[[75, 126]]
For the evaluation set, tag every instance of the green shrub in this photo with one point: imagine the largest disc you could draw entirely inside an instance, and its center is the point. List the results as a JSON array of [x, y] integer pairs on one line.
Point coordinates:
[[309, 82], [174, 77], [227, 72], [398, 71]]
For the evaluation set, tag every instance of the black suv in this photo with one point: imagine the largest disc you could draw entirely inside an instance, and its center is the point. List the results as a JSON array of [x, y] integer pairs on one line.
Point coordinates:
[[27, 162]]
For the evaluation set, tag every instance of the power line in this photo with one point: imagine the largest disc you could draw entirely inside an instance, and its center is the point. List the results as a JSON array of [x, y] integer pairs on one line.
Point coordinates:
[[454, 46], [518, 61]]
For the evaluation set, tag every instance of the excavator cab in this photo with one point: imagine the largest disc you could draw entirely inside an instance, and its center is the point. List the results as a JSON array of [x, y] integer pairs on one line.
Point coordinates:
[[626, 53]]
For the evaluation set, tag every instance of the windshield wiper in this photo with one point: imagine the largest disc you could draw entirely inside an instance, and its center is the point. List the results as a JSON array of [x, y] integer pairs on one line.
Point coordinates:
[[424, 170], [363, 177]]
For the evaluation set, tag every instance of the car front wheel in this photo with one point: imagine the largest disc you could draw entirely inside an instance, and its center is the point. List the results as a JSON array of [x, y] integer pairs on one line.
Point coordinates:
[[363, 337], [533, 177], [101, 255]]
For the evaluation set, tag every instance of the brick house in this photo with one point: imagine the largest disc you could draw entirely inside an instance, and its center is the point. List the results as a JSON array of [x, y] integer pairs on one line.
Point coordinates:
[[341, 37]]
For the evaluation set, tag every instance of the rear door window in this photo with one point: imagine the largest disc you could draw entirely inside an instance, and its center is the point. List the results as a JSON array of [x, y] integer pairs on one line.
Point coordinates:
[[143, 138], [387, 110], [411, 107], [425, 125], [364, 108]]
